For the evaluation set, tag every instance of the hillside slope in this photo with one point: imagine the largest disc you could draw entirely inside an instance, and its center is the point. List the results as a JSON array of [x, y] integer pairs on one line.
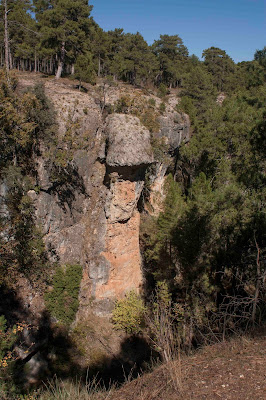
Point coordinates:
[[233, 370]]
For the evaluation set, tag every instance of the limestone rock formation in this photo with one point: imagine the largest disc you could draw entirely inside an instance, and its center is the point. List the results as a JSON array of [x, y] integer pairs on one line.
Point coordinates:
[[129, 153], [128, 142], [175, 127], [89, 212]]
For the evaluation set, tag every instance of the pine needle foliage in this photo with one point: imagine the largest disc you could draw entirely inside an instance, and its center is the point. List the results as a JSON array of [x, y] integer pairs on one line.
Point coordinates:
[[62, 301]]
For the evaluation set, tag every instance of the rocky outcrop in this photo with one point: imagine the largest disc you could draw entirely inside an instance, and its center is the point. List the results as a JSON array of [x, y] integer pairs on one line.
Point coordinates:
[[89, 214], [128, 142], [175, 128], [128, 154]]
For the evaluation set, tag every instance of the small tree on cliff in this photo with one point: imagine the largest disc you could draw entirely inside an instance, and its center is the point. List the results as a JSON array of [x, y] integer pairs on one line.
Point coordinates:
[[84, 69]]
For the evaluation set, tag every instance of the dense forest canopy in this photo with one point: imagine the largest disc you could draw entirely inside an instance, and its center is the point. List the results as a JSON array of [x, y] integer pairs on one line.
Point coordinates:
[[54, 37]]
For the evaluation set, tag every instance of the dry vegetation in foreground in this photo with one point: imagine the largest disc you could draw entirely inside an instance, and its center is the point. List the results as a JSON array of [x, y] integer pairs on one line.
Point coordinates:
[[232, 370]]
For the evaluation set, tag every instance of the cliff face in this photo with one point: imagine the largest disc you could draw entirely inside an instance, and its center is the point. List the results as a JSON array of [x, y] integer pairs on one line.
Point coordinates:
[[91, 216]]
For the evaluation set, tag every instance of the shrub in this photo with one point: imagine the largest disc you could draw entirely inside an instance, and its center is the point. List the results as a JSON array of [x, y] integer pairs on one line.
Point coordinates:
[[152, 102], [149, 119], [62, 301], [162, 107], [122, 105], [128, 313], [9, 336], [162, 90]]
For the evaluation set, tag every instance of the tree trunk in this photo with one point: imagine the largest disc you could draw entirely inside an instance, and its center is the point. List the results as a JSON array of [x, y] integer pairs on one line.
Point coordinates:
[[35, 62], [61, 62], [257, 290], [59, 70], [72, 69], [99, 65], [6, 39], [10, 60]]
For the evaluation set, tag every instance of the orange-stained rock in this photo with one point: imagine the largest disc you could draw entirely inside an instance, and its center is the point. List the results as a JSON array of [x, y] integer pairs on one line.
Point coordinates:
[[123, 254], [123, 200]]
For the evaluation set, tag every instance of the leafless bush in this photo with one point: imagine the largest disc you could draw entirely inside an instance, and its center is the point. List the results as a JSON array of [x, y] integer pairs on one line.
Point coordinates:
[[163, 334]]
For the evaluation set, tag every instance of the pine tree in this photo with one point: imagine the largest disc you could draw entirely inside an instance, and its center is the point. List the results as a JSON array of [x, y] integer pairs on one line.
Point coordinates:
[[172, 54], [64, 25], [220, 65]]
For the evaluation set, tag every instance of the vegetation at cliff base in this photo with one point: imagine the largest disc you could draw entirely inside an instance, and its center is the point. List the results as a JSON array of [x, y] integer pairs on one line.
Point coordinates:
[[209, 241], [62, 301]]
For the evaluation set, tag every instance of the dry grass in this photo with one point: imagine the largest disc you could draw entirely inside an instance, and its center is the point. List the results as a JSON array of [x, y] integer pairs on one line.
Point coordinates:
[[66, 390], [233, 370]]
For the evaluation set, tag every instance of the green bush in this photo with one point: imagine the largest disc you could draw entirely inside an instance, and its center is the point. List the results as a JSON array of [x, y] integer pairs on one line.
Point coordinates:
[[122, 105], [9, 337], [162, 90], [152, 102], [128, 313], [162, 107], [149, 119], [62, 300]]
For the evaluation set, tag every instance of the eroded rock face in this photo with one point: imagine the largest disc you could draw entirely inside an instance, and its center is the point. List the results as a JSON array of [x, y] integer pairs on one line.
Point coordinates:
[[175, 127], [128, 142], [123, 254], [128, 155], [91, 216], [122, 200]]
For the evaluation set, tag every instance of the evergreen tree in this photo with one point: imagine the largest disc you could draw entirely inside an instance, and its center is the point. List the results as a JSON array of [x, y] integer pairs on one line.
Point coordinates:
[[64, 25], [260, 56], [220, 65], [84, 69], [137, 62], [171, 54], [99, 46]]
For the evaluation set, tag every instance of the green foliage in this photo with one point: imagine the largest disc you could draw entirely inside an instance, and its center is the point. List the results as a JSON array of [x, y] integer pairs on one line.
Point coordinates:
[[62, 300], [157, 234], [206, 241], [44, 116], [16, 125], [122, 105], [162, 108], [84, 70], [63, 25], [162, 90], [152, 102], [220, 65], [7, 340], [260, 56], [128, 313], [172, 55], [22, 244], [25, 121], [9, 337]]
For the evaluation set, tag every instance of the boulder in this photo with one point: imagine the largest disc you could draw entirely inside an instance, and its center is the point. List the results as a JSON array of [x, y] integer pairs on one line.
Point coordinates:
[[128, 142]]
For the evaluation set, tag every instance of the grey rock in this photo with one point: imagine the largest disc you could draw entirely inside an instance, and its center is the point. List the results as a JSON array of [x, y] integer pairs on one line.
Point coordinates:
[[175, 127], [128, 142], [67, 244]]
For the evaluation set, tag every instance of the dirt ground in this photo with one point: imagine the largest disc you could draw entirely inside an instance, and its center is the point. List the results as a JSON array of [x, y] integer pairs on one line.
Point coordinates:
[[234, 370]]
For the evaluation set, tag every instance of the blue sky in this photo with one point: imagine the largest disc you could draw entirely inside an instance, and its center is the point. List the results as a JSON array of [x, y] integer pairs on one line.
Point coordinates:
[[236, 26]]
